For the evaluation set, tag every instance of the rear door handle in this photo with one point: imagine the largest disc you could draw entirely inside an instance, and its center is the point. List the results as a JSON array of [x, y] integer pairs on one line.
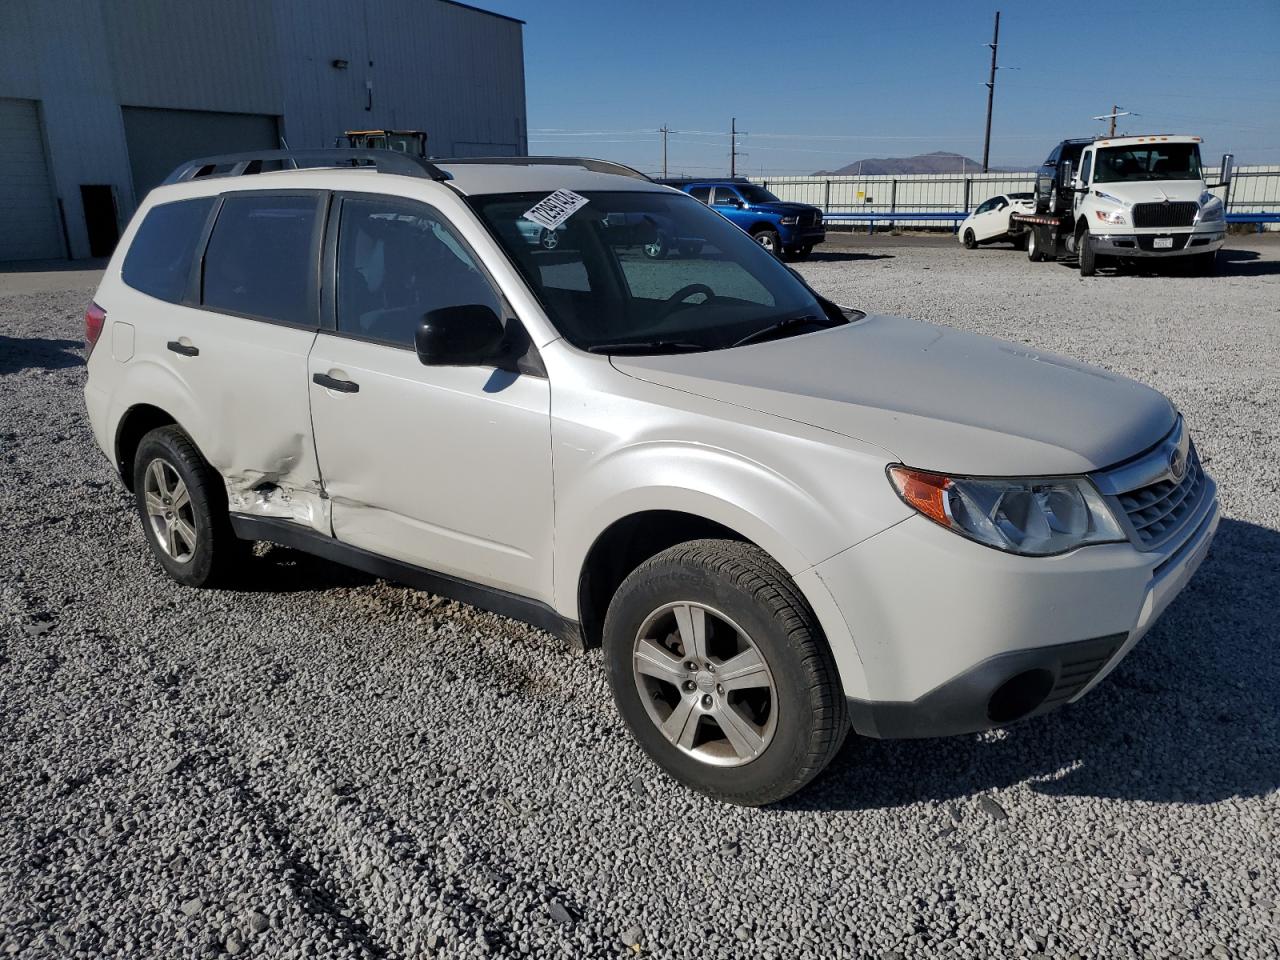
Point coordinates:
[[333, 383], [177, 346]]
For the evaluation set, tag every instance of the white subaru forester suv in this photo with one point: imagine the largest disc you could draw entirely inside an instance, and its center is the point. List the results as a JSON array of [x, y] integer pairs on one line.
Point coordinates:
[[780, 517]]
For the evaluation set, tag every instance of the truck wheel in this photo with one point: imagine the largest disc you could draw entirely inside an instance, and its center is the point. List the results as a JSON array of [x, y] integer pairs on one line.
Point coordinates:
[[1084, 250], [1019, 240], [770, 240], [1033, 246], [1206, 264], [182, 503], [970, 241], [656, 248], [803, 252], [721, 671]]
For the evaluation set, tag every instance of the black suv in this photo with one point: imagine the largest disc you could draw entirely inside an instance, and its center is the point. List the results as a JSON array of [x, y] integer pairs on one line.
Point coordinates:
[[1052, 194]]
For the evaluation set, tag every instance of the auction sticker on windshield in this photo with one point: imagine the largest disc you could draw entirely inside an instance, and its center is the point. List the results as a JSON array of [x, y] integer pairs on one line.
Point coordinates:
[[553, 210]]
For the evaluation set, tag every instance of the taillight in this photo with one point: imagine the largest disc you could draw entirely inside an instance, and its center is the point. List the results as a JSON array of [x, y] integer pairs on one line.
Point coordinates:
[[95, 319]]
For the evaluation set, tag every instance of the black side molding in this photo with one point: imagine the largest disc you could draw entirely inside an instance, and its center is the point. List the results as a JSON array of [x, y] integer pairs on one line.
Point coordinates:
[[286, 533]]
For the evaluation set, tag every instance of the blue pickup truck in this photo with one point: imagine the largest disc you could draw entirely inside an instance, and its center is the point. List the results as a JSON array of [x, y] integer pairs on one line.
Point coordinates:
[[788, 230]]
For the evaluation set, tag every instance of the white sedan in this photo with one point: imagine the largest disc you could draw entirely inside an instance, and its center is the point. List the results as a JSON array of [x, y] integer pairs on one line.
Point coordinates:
[[990, 221]]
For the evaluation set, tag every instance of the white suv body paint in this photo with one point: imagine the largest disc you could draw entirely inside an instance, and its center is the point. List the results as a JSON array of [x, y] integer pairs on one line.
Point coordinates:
[[786, 443]]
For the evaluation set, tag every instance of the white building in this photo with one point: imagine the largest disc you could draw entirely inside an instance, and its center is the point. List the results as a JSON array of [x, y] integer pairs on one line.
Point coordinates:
[[100, 99]]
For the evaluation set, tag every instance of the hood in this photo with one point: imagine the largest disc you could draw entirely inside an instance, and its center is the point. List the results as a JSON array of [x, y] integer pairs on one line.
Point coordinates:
[[1151, 191], [936, 398], [784, 207]]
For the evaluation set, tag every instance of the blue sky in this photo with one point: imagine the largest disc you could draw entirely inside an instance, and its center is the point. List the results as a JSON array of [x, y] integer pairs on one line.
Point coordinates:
[[818, 84]]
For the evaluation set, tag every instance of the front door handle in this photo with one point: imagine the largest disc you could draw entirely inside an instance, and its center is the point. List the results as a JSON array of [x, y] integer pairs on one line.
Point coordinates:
[[186, 349], [333, 383]]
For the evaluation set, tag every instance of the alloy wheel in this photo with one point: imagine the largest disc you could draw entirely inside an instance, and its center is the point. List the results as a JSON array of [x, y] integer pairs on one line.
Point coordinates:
[[705, 684], [170, 511]]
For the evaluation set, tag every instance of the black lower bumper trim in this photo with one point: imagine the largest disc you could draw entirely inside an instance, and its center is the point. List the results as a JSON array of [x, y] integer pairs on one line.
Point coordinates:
[[963, 704]]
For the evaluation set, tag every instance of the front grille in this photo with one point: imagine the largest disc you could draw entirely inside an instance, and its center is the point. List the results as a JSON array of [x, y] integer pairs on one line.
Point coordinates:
[[1080, 667], [1148, 242], [1167, 213], [1157, 511], [809, 219]]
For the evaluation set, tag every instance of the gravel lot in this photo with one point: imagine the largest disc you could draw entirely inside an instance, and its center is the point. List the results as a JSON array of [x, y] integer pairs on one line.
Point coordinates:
[[328, 765]]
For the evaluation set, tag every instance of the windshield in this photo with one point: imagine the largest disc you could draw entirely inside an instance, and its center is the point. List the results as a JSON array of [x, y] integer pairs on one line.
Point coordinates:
[[753, 194], [1165, 161], [648, 272]]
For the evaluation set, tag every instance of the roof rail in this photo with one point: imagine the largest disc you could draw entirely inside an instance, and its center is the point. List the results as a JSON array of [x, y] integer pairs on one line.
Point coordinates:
[[244, 164], [586, 163]]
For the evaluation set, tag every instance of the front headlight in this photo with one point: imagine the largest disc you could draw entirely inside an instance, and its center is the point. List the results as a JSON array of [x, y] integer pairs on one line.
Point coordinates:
[[1111, 216], [1032, 516], [789, 221], [1210, 209]]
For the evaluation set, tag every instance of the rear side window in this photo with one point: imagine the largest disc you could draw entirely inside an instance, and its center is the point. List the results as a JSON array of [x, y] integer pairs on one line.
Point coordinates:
[[701, 193], [261, 258], [159, 259]]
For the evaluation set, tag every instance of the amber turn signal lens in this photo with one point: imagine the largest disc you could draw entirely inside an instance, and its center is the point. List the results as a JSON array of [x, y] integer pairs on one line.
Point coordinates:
[[925, 492]]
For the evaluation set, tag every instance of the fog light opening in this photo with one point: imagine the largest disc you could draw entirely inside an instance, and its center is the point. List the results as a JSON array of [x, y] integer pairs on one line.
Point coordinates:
[[1019, 695]]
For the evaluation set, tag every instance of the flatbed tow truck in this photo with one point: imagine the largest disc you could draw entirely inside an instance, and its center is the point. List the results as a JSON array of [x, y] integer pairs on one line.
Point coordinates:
[[1109, 199]]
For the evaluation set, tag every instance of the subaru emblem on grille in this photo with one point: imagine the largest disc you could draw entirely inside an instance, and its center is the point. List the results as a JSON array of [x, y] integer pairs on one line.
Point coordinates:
[[1177, 463]]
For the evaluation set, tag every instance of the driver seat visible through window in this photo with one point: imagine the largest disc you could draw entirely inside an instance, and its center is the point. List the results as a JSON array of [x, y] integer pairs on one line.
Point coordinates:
[[397, 262]]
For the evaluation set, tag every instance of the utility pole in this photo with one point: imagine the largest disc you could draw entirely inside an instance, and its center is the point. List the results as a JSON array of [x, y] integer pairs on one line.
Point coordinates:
[[1115, 112], [991, 94], [733, 147], [664, 131]]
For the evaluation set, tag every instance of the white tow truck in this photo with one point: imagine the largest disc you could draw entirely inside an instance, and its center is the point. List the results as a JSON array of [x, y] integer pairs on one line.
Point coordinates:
[[1121, 198]]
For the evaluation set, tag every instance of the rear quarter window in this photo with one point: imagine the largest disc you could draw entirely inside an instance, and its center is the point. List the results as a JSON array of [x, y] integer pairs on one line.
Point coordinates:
[[158, 262]]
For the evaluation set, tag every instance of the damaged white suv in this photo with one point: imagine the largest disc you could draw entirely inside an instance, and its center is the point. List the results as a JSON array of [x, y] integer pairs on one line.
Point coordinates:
[[780, 517]]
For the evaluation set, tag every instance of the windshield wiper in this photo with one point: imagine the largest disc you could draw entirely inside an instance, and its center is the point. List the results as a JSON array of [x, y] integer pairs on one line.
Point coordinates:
[[782, 326], [647, 346]]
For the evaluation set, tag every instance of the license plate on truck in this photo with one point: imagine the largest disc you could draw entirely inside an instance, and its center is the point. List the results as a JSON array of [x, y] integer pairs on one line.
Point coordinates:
[[1162, 243]]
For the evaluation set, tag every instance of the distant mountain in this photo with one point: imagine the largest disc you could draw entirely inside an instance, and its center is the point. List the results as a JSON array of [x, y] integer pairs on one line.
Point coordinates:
[[940, 161]]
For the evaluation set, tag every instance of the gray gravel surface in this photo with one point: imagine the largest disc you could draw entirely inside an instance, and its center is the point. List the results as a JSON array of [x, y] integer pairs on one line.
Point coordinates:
[[327, 765]]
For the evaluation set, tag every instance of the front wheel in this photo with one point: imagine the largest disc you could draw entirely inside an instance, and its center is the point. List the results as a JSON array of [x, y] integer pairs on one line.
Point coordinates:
[[656, 248], [183, 507], [1084, 250], [770, 240], [719, 668], [970, 241]]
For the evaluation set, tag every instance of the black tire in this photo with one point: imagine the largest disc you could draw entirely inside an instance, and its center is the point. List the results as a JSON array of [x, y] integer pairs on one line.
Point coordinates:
[[969, 240], [770, 240], [744, 583], [1033, 246], [1019, 240], [1205, 264], [217, 551], [1084, 251], [803, 252], [657, 248]]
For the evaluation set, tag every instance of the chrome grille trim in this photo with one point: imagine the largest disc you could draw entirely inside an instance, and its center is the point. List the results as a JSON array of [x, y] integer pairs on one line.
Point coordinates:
[[1153, 502]]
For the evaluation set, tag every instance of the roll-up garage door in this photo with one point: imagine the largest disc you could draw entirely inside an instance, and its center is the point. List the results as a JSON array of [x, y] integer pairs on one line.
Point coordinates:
[[160, 140], [29, 225]]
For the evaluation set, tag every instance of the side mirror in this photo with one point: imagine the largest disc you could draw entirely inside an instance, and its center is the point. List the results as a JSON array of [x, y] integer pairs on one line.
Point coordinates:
[[465, 336], [1227, 169]]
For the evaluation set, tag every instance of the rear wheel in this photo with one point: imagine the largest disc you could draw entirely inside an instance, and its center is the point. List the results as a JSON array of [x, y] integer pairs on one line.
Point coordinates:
[[770, 240], [802, 252], [720, 669], [1033, 246], [1019, 240], [970, 241], [183, 507]]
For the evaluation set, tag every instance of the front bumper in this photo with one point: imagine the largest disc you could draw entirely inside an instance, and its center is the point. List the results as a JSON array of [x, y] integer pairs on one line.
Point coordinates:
[[801, 236], [1183, 243], [955, 637]]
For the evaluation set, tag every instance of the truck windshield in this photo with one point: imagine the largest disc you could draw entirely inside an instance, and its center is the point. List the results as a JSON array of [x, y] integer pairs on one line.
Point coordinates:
[[1165, 161], [651, 272], [753, 194]]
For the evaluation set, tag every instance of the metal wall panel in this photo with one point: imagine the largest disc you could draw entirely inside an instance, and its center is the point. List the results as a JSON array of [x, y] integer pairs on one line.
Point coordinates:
[[29, 227], [160, 140]]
